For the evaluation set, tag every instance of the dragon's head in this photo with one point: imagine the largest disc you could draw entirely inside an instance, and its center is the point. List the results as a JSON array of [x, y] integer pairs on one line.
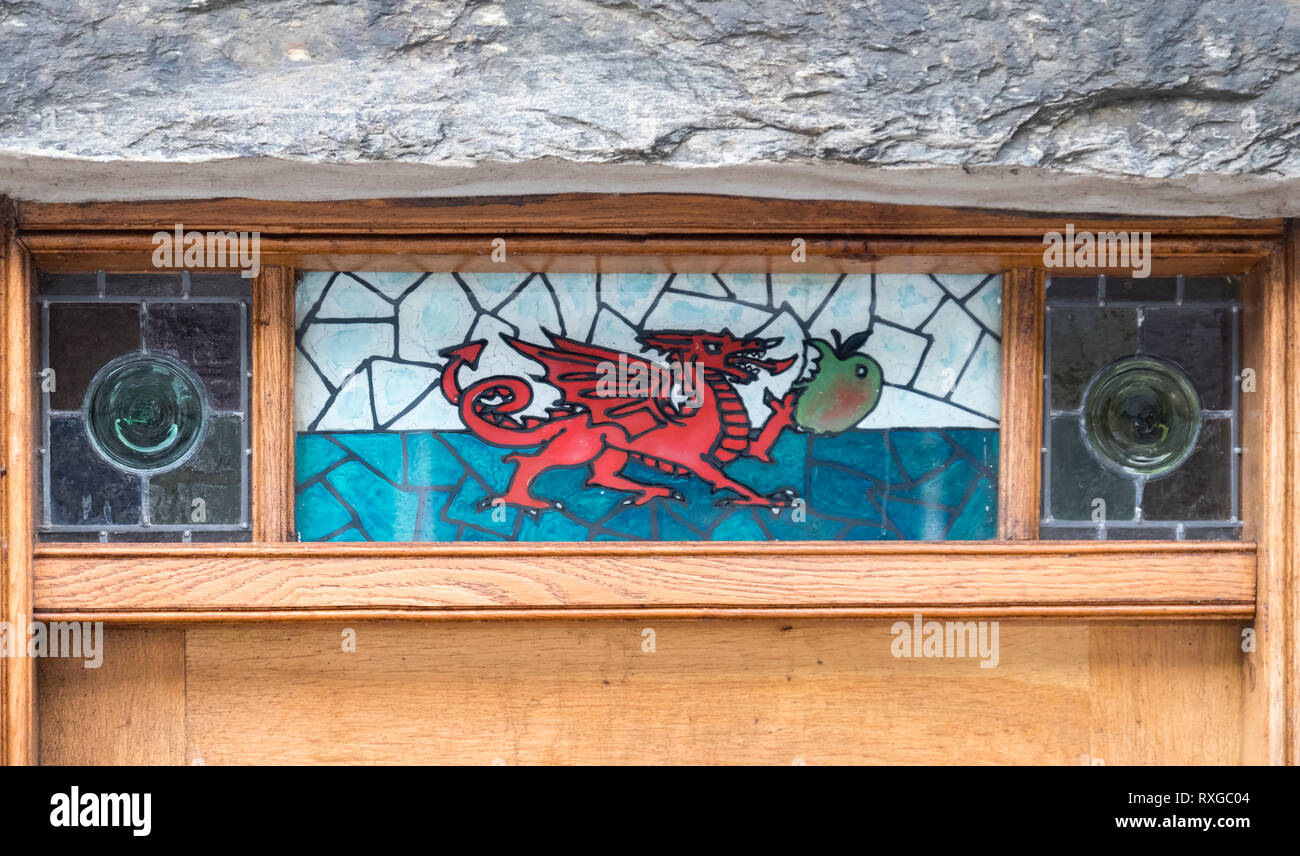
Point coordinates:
[[739, 360]]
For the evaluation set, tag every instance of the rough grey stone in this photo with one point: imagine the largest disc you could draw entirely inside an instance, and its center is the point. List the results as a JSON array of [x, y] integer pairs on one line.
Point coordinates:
[[1171, 91]]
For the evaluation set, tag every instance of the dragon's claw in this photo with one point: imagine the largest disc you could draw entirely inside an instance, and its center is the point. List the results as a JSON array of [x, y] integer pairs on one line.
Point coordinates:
[[774, 501], [531, 507]]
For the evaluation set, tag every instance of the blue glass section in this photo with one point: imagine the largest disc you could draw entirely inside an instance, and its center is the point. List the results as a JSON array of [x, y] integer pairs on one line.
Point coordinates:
[[552, 527], [430, 461], [920, 451], [381, 451], [465, 507], [739, 527], [974, 521], [856, 486], [349, 535], [315, 453], [434, 523], [864, 451], [386, 512], [318, 513]]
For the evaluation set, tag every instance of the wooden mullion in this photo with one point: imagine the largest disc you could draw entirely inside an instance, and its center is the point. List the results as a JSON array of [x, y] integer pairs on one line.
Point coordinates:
[[1021, 431], [1291, 523], [272, 406], [18, 732], [1264, 491]]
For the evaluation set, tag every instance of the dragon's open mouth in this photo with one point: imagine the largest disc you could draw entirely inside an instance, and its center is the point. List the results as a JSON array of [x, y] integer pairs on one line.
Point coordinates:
[[746, 364]]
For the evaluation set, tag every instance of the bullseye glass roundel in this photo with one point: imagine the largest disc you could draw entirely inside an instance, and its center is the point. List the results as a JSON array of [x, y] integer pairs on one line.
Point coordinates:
[[1141, 415], [145, 412]]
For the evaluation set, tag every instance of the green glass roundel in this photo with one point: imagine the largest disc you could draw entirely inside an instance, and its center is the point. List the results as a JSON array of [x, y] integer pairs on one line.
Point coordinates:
[[145, 412], [1141, 415]]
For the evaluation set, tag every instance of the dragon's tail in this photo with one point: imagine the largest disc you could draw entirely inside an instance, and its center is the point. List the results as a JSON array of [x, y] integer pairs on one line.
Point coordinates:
[[486, 406]]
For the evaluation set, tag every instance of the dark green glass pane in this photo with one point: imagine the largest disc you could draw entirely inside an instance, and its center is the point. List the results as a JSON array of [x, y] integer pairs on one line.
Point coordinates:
[[1073, 288], [1210, 288], [1198, 340], [1151, 288], [1083, 340], [83, 337], [1078, 480], [220, 285], [145, 412], [143, 285], [206, 337], [84, 284], [206, 489], [84, 488], [1200, 489]]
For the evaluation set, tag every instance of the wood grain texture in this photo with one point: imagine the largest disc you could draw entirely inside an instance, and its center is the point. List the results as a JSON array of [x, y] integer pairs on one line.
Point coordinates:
[[1291, 547], [1088, 612], [130, 710], [1264, 491], [272, 497], [7, 229], [1166, 694], [19, 725], [1020, 432], [1205, 578], [775, 692], [633, 213], [570, 692], [59, 251]]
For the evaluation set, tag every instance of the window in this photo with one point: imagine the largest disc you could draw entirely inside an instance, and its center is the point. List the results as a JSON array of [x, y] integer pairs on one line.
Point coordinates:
[[662, 407], [926, 367], [144, 407], [1141, 433]]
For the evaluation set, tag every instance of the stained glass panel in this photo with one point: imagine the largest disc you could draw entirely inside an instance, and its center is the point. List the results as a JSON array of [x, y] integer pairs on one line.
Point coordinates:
[[563, 407], [144, 404], [1140, 433]]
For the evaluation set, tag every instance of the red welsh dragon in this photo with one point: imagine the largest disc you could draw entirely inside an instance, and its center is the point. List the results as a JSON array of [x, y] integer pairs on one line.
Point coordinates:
[[605, 428]]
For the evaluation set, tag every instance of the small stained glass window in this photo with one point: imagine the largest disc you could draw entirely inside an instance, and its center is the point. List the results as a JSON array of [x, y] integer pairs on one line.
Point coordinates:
[[1140, 434], [144, 389], [577, 407]]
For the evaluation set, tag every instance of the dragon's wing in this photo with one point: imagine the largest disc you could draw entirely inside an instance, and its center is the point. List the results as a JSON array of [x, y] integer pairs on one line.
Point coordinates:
[[588, 377]]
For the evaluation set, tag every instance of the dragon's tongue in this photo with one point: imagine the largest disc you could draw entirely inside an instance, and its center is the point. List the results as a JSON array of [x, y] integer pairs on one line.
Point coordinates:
[[773, 366]]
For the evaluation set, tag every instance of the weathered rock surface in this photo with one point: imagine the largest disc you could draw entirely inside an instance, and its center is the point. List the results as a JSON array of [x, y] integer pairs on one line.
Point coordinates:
[[1199, 97]]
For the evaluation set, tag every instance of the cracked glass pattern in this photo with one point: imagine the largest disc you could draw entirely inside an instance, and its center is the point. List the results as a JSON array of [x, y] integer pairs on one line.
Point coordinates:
[[469, 406]]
